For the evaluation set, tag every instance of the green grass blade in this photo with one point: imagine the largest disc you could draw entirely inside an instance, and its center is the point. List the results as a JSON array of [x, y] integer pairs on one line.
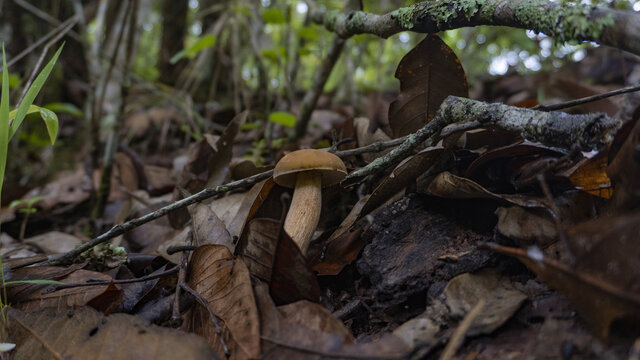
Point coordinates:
[[37, 282], [33, 91], [4, 120]]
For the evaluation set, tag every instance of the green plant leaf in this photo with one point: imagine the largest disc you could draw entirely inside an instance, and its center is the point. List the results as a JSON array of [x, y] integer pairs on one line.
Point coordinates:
[[50, 120], [4, 119], [202, 43], [273, 16], [33, 91], [61, 107], [283, 118]]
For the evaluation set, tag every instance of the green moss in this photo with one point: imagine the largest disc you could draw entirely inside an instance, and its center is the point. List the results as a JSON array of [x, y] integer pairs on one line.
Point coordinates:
[[562, 22], [444, 12], [404, 16]]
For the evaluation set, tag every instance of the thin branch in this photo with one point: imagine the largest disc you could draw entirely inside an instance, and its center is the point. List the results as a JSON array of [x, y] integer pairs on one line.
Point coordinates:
[[44, 16], [64, 30], [41, 40], [563, 22], [587, 99]]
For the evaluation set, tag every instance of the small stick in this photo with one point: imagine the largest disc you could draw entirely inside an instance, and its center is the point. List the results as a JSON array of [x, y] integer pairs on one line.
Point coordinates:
[[171, 271], [588, 99], [176, 319], [458, 336], [27, 85]]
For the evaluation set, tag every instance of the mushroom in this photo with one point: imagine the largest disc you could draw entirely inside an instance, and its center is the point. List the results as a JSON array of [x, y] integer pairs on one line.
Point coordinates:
[[307, 172]]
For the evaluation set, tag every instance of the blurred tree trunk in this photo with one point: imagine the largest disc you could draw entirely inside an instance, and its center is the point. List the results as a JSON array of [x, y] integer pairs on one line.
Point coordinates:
[[174, 29]]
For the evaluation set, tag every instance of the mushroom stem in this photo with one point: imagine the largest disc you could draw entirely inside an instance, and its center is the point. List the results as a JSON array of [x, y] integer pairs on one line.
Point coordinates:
[[304, 213]]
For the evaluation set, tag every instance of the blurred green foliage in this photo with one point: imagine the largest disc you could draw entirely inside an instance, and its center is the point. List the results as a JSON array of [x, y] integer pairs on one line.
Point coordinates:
[[370, 62]]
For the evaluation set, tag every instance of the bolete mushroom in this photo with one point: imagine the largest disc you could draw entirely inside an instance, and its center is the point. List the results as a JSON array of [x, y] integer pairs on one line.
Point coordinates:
[[307, 172]]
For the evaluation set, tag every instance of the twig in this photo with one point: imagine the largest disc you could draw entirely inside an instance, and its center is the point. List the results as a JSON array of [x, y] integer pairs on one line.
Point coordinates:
[[458, 336], [43, 15], [311, 97], [171, 271], [184, 248], [42, 341], [27, 85], [176, 319], [202, 301], [41, 40], [588, 99]]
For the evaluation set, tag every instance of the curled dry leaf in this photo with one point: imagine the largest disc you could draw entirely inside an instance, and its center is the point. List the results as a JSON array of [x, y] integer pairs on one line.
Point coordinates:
[[428, 74], [273, 257], [84, 333], [224, 282], [447, 185]]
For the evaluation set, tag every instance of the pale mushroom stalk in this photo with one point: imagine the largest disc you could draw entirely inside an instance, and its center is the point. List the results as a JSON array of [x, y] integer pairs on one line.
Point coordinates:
[[307, 172], [304, 212]]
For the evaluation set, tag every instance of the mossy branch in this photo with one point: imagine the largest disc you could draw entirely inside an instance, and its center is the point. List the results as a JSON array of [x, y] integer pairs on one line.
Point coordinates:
[[620, 29], [557, 129]]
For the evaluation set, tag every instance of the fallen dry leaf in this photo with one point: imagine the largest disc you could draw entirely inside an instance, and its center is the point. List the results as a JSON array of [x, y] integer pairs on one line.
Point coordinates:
[[603, 305], [502, 299], [84, 333], [224, 282], [273, 257], [104, 298]]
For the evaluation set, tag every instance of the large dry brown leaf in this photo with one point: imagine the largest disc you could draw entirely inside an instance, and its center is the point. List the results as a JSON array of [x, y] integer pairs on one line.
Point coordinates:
[[273, 257], [601, 303], [224, 282], [84, 333], [428, 74], [296, 331]]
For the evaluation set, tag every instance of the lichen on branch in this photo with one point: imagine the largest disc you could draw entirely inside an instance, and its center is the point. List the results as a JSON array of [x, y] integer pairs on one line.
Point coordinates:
[[562, 22]]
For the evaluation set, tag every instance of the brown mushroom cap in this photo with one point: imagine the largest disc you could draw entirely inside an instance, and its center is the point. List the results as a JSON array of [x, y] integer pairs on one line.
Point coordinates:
[[325, 163]]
